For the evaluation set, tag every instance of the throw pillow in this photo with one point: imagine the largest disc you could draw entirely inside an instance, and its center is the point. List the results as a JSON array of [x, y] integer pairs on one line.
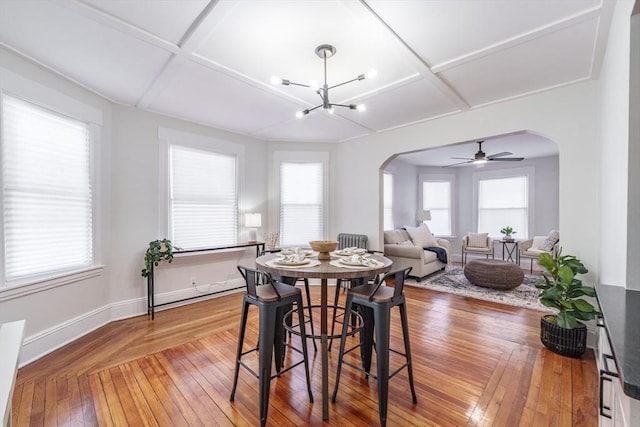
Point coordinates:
[[405, 243], [421, 236], [538, 242], [478, 240], [552, 238]]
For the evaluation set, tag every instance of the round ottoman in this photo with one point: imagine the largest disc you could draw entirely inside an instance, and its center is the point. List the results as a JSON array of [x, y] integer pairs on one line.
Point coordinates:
[[493, 273]]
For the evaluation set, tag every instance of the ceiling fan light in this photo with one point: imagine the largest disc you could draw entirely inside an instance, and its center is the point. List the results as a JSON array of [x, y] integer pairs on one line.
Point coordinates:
[[480, 161]]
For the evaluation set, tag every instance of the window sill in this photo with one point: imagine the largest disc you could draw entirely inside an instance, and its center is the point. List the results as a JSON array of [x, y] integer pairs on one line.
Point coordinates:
[[43, 284]]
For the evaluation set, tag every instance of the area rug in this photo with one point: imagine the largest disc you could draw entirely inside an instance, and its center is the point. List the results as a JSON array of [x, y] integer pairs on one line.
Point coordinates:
[[452, 280]]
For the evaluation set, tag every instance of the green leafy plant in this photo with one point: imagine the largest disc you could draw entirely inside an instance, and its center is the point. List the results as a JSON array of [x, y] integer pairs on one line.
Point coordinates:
[[157, 251], [508, 231], [560, 289]]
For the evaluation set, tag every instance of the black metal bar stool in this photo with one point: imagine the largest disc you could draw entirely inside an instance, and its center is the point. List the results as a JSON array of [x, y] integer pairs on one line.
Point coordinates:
[[377, 301], [292, 281], [271, 298]]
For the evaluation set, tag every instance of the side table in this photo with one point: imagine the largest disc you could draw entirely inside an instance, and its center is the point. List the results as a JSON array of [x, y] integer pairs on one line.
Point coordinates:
[[513, 254]]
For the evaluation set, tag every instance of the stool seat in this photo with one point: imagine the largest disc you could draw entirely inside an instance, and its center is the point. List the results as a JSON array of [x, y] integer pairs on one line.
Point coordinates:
[[493, 273]]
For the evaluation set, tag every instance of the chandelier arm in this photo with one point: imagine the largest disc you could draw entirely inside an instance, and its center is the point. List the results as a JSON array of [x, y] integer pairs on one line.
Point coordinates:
[[296, 84], [340, 105], [344, 83], [315, 108]]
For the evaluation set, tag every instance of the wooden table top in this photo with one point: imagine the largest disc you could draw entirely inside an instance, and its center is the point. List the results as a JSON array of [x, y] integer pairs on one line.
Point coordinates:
[[324, 270]]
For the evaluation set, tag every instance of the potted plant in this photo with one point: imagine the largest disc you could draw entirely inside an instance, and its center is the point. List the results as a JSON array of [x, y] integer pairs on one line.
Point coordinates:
[[508, 232], [157, 251], [564, 333]]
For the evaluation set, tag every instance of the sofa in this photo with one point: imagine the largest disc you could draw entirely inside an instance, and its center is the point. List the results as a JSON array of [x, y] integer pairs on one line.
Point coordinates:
[[401, 249]]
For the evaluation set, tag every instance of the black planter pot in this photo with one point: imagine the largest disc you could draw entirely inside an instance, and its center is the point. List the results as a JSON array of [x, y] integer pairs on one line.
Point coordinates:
[[567, 342]]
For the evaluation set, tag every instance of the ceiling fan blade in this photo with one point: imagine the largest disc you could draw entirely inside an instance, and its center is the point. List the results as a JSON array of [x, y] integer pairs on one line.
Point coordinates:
[[508, 159], [462, 158], [456, 164], [504, 153]]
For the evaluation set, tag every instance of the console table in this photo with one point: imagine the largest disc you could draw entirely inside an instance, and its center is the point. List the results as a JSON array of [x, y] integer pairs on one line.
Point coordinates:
[[151, 305]]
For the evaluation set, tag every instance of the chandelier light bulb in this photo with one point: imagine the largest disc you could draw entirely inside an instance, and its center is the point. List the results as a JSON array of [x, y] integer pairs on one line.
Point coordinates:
[[299, 114], [275, 80], [330, 110], [371, 74], [361, 107]]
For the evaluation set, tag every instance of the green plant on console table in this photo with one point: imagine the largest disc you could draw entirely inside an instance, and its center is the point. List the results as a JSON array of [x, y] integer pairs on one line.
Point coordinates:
[[563, 291], [508, 231], [157, 251]]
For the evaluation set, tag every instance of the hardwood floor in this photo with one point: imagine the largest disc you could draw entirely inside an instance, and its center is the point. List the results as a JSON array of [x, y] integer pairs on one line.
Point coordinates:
[[476, 363]]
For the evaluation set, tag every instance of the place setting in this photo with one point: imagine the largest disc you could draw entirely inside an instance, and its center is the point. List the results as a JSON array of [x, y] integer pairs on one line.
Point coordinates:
[[294, 258], [356, 261]]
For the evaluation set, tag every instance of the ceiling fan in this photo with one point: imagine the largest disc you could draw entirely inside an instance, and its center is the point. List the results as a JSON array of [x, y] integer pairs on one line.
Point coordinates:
[[481, 158]]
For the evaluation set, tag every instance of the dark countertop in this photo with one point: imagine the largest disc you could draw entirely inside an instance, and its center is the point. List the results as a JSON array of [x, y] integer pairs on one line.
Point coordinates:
[[621, 310]]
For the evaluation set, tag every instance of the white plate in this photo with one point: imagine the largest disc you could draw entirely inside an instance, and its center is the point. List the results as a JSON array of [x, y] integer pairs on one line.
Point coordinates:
[[349, 253], [347, 261], [283, 262]]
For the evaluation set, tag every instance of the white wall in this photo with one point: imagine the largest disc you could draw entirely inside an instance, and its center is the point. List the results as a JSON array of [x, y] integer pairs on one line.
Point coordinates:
[[633, 217], [405, 193], [567, 116], [614, 133]]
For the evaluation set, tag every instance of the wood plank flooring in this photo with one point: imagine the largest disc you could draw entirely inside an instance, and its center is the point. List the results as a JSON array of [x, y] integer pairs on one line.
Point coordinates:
[[475, 364]]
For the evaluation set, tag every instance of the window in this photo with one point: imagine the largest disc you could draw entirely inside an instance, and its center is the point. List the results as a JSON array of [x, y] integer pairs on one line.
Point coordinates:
[[47, 193], [387, 188], [200, 175], [203, 201], [301, 197], [503, 202], [436, 198]]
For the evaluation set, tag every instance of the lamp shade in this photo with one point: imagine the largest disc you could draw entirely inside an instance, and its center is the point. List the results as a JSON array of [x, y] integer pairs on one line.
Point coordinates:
[[423, 215], [253, 220]]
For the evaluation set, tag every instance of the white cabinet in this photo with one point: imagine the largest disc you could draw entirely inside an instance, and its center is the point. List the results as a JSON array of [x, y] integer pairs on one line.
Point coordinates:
[[615, 407]]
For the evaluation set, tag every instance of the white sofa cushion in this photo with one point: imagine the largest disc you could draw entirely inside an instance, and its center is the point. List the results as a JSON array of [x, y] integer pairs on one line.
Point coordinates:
[[478, 240], [538, 242], [421, 236]]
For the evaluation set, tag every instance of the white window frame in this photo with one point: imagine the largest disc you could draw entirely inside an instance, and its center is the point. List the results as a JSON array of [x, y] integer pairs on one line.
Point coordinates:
[[168, 137], [528, 172], [19, 87], [301, 157], [387, 211], [451, 179]]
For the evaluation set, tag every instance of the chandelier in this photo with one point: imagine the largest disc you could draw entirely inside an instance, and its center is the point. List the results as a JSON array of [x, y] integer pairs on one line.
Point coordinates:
[[325, 51]]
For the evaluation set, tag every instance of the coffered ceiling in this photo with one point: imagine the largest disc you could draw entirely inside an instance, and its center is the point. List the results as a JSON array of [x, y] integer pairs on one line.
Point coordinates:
[[210, 62]]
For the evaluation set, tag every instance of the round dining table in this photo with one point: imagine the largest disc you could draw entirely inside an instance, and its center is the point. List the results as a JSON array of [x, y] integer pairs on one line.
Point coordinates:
[[323, 270]]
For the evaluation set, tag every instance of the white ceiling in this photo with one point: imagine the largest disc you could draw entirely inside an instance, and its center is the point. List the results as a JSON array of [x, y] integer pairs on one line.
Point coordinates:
[[210, 62], [522, 144]]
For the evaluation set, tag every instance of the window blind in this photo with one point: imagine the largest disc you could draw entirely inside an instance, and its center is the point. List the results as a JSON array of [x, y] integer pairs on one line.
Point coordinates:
[[47, 191], [301, 203], [203, 199], [503, 202], [436, 197]]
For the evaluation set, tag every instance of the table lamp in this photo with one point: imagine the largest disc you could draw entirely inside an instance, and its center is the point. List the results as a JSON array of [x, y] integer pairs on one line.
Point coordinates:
[[252, 221], [422, 216]]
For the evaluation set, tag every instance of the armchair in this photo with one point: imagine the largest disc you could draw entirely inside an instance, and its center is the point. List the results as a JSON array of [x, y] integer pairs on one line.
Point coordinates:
[[532, 248], [474, 243]]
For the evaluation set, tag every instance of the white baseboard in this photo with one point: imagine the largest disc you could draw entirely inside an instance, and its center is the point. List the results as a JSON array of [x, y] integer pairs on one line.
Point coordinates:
[[44, 342]]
